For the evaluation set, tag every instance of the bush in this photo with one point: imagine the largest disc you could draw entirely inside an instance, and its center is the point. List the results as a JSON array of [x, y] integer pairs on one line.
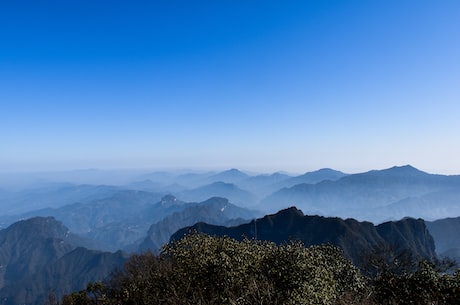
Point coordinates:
[[425, 285], [206, 270], [200, 269]]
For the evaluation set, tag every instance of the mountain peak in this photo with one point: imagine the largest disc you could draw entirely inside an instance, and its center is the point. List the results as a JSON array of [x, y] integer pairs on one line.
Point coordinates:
[[291, 211], [169, 200], [404, 170], [354, 237], [216, 200], [40, 226], [231, 175], [315, 177], [286, 216], [233, 172]]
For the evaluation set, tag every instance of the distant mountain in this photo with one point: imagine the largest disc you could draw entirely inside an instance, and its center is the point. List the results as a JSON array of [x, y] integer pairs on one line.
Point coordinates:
[[184, 179], [114, 222], [446, 236], [40, 256], [431, 206], [122, 220], [194, 180], [229, 176], [160, 177], [263, 185], [265, 180], [452, 253], [214, 211], [191, 180], [313, 177], [150, 186], [359, 195], [355, 238], [51, 196], [219, 189]]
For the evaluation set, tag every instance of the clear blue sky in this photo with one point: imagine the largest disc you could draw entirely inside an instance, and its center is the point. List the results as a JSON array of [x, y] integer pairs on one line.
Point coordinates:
[[258, 85]]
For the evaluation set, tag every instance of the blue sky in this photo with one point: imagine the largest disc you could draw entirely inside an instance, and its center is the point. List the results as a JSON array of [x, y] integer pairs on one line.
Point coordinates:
[[257, 85]]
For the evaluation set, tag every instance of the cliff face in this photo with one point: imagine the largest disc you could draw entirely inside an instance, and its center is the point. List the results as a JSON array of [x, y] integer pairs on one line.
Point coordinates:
[[409, 234], [354, 237], [40, 256]]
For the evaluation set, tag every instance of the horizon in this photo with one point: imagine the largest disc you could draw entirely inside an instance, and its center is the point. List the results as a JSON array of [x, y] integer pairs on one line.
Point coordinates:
[[258, 86], [263, 170], [214, 170]]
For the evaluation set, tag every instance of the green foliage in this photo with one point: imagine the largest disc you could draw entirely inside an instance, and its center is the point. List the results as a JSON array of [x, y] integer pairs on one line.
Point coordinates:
[[95, 293], [201, 269], [225, 271], [425, 285]]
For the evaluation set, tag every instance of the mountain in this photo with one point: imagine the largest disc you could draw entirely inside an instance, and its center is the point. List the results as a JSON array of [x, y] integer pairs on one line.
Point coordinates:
[[219, 189], [51, 195], [435, 205], [411, 234], [184, 179], [150, 186], [263, 185], [193, 180], [123, 219], [39, 256], [355, 238], [446, 237], [313, 177], [229, 176], [360, 195], [214, 210], [114, 222]]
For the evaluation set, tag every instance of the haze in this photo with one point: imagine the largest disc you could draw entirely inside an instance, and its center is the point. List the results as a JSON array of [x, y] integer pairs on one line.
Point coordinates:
[[255, 85]]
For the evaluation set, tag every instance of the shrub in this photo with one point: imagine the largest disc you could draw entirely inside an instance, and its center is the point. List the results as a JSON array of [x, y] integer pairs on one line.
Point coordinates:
[[201, 269]]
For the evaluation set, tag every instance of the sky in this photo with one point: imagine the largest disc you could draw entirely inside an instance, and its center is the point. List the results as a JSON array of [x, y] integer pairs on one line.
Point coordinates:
[[256, 85]]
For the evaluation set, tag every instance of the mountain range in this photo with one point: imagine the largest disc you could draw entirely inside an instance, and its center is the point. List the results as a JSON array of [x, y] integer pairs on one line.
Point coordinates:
[[214, 210], [376, 196], [40, 255], [49, 228], [122, 221], [355, 238], [120, 217]]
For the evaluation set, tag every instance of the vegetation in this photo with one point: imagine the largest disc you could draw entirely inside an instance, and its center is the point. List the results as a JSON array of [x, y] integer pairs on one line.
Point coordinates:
[[201, 269]]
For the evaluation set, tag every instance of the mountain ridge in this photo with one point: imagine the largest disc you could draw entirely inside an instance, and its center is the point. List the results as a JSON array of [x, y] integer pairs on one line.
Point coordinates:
[[354, 237], [359, 193], [38, 257]]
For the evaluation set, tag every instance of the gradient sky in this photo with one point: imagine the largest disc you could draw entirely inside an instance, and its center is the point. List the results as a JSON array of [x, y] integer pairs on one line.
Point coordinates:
[[257, 85]]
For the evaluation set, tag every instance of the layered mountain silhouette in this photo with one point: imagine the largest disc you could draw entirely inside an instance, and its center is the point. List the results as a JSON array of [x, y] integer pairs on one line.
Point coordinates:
[[219, 189], [375, 195], [354, 237], [113, 222], [51, 195], [229, 176], [122, 220], [40, 256], [215, 210], [324, 174]]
